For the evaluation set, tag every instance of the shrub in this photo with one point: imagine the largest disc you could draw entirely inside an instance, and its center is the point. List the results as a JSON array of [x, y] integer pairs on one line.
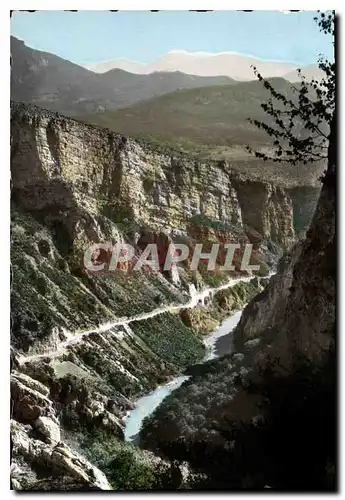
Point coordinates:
[[126, 467]]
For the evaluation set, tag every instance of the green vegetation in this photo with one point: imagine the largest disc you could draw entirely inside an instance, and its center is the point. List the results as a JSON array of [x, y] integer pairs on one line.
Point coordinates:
[[300, 124], [209, 123], [148, 181], [208, 115], [205, 222], [243, 431], [127, 467], [304, 200], [50, 290], [170, 339]]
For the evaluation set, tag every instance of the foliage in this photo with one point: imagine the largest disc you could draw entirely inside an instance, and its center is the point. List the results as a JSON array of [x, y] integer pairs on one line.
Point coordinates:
[[287, 440], [301, 123], [126, 467], [204, 221], [170, 339]]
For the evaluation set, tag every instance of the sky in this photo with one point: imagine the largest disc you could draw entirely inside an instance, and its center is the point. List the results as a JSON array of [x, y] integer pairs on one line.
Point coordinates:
[[89, 37]]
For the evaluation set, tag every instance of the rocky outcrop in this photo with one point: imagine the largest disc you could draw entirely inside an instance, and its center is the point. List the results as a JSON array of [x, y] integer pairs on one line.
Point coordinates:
[[310, 314], [30, 399], [266, 311], [211, 311], [273, 204], [36, 446], [68, 164], [199, 319], [35, 462], [278, 394], [73, 185], [299, 302]]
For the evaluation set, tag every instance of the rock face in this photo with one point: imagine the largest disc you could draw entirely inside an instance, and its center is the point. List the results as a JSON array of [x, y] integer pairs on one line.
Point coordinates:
[[36, 445], [266, 311], [310, 313], [67, 164], [284, 381], [73, 185], [299, 302], [57, 462], [304, 201]]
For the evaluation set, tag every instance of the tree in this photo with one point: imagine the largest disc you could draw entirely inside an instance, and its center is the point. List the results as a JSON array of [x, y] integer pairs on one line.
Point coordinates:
[[300, 125]]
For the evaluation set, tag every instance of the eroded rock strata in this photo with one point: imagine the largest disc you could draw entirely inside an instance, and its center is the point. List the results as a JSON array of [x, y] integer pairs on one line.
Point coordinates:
[[74, 185], [266, 415]]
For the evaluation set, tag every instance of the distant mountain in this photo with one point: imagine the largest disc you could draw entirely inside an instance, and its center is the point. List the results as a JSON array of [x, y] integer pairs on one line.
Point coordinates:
[[54, 83], [209, 115], [59, 85], [229, 64], [309, 72], [125, 64], [142, 87]]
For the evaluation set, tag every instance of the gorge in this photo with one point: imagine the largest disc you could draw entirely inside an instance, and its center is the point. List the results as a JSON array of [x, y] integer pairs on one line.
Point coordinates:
[[173, 251], [147, 404], [86, 345]]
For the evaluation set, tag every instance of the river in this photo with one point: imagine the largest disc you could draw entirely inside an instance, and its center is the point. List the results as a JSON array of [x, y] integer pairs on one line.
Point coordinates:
[[147, 404]]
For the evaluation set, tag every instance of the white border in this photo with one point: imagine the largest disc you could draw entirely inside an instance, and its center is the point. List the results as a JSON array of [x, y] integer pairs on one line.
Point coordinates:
[[284, 5], [5, 175]]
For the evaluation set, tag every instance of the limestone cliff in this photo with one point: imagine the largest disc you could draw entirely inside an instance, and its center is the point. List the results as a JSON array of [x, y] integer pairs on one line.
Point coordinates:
[[65, 164], [267, 415], [266, 311], [299, 302], [72, 185], [40, 459], [311, 308], [304, 202]]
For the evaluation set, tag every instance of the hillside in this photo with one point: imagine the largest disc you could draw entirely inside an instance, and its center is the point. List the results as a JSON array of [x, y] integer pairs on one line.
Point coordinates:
[[212, 115], [77, 363], [266, 415], [202, 115], [51, 82], [212, 123]]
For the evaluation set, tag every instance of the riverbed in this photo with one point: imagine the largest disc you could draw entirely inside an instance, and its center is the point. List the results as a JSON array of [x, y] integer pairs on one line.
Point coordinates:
[[218, 343]]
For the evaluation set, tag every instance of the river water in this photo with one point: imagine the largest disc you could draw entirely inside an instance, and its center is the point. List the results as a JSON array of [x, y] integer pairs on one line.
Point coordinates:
[[147, 404]]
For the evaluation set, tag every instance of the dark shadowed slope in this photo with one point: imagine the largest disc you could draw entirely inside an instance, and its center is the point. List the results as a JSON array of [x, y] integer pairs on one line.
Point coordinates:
[[54, 83], [210, 122], [208, 115]]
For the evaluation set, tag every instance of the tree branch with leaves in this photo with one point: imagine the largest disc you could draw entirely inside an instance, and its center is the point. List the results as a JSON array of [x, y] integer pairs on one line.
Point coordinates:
[[300, 121]]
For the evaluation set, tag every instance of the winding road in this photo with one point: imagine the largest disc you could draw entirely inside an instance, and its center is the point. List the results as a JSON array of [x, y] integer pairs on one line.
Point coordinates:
[[75, 337]]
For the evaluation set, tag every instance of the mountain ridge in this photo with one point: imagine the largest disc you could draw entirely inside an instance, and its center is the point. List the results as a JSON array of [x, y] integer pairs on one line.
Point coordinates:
[[210, 122], [49, 81], [232, 64]]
